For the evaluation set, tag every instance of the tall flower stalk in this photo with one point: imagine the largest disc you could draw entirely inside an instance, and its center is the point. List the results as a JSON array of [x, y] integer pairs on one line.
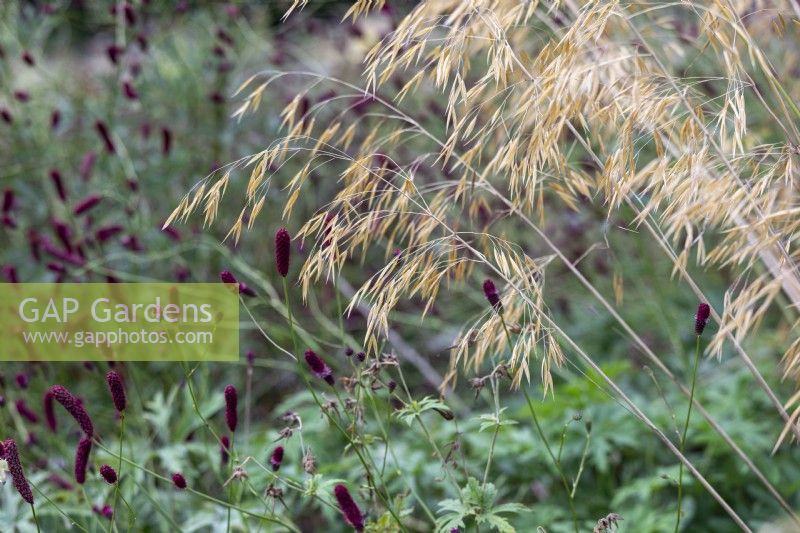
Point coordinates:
[[700, 320]]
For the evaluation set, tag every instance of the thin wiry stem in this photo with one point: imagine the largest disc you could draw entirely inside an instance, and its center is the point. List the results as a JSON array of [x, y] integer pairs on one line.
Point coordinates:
[[685, 430]]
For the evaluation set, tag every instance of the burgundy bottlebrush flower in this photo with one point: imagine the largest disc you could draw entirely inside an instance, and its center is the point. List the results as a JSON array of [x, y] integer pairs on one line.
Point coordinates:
[[131, 242], [60, 482], [22, 380], [352, 514], [105, 135], [64, 234], [10, 273], [166, 141], [178, 480], [277, 458], [114, 52], [109, 474], [86, 204], [11, 455], [216, 98], [87, 165], [231, 401], [55, 119], [129, 91], [227, 277], [9, 222], [27, 57], [49, 412], [361, 356], [318, 367], [82, 458], [73, 407], [106, 232], [491, 294], [251, 357], [25, 411], [348, 351], [22, 96], [58, 183], [8, 200], [283, 249], [224, 448], [700, 319], [6, 115], [106, 511], [117, 390]]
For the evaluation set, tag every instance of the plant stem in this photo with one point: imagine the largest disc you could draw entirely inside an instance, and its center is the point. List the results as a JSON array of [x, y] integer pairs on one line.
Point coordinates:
[[556, 462], [685, 430], [35, 519], [119, 469]]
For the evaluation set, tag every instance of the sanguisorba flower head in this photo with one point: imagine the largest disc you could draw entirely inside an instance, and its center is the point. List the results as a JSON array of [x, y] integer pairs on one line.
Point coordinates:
[[348, 507], [11, 456], [109, 474], [117, 390], [231, 402], [49, 411], [82, 458], [178, 480], [73, 407], [490, 291], [276, 459], [224, 449], [700, 319], [283, 251], [319, 368]]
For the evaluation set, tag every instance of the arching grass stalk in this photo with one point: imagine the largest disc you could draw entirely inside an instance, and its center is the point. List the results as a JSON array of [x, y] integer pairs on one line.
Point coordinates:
[[556, 462], [685, 430]]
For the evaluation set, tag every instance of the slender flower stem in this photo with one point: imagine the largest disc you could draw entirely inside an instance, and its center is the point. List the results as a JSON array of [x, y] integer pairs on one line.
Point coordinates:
[[685, 430], [35, 519], [119, 468], [556, 462], [302, 371]]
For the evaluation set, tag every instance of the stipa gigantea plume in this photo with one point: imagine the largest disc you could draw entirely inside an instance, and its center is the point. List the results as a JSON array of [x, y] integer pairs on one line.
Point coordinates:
[[513, 102]]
